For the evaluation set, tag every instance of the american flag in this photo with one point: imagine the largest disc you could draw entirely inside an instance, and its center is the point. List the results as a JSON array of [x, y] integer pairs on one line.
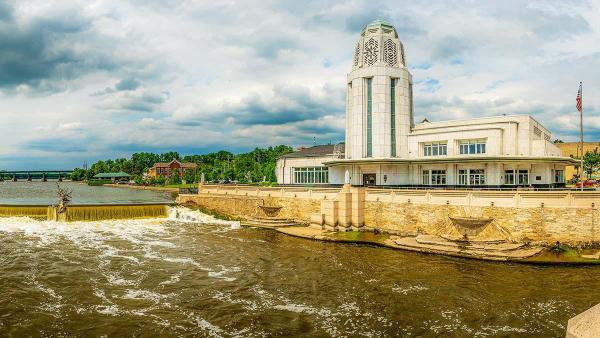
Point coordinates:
[[578, 99]]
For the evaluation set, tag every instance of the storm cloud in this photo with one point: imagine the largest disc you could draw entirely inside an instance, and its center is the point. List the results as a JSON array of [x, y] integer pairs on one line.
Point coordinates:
[[82, 81]]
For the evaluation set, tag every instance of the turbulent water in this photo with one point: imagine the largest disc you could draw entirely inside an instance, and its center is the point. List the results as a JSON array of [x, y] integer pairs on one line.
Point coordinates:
[[192, 275]]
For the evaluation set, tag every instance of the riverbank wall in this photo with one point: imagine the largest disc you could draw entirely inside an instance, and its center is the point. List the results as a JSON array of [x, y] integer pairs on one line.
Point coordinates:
[[524, 216]]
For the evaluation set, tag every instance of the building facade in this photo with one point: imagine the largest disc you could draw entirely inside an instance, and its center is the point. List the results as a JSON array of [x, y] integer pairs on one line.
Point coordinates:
[[166, 169], [384, 146], [573, 149]]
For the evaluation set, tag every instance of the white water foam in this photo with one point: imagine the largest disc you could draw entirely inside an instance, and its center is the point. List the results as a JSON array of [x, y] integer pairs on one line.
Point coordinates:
[[188, 215]]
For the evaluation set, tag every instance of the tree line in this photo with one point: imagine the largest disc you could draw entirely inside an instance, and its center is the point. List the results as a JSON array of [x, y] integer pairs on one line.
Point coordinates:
[[253, 166]]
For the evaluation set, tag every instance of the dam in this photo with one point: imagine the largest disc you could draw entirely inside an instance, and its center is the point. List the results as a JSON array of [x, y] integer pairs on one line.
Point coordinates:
[[87, 212], [36, 200]]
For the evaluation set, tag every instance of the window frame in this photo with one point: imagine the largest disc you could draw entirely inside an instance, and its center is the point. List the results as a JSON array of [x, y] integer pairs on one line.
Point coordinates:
[[311, 175], [437, 148], [472, 147]]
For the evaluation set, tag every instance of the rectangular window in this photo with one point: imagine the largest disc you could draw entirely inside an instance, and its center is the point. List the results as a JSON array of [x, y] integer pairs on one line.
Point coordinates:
[[435, 149], [559, 176], [477, 177], [393, 115], [509, 177], [523, 177], [311, 175], [438, 177], [425, 178], [468, 147], [463, 176], [434, 177], [369, 117], [410, 103], [443, 149], [471, 177]]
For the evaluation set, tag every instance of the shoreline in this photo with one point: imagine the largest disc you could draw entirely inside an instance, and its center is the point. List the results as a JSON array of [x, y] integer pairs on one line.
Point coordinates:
[[544, 257], [141, 187]]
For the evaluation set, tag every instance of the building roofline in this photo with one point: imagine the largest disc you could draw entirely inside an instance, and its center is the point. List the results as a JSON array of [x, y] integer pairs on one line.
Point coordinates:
[[470, 159], [476, 119]]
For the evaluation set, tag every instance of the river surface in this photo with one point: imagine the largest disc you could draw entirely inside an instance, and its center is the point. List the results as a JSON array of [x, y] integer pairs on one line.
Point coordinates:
[[193, 275], [44, 193]]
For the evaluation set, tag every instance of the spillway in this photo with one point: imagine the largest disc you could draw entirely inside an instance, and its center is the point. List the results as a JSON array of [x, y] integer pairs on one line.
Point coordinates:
[[32, 211], [87, 212]]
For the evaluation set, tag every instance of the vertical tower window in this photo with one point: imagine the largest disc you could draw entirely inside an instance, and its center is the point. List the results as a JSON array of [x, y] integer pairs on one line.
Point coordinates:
[[369, 117], [410, 103], [393, 113]]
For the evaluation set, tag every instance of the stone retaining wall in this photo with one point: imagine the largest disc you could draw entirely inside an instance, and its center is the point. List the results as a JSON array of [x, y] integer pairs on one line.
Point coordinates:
[[574, 224], [547, 225], [248, 206]]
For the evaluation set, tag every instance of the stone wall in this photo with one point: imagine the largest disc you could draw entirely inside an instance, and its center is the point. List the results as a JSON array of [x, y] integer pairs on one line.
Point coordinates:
[[548, 225], [545, 217], [248, 206]]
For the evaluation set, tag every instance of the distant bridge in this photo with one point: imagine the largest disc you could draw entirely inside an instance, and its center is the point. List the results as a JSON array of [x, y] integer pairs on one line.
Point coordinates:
[[30, 175]]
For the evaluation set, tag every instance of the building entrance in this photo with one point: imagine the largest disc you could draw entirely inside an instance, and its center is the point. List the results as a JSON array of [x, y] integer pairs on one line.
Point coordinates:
[[369, 179]]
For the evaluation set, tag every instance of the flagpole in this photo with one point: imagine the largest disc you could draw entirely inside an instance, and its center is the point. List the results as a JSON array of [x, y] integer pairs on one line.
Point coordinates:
[[581, 132]]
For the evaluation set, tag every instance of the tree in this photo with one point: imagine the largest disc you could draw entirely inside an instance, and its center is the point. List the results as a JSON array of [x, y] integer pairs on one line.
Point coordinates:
[[189, 176], [244, 167], [78, 174], [175, 177], [591, 162], [160, 180]]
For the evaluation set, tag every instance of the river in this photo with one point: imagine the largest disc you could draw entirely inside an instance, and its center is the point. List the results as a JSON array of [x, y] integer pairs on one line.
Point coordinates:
[[193, 275], [44, 193]]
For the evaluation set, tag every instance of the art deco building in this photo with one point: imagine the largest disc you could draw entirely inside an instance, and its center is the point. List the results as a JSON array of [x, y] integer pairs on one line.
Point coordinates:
[[383, 145]]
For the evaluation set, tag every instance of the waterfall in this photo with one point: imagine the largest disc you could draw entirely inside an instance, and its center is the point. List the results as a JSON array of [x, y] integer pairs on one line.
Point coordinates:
[[33, 211], [95, 212], [99, 212], [107, 212]]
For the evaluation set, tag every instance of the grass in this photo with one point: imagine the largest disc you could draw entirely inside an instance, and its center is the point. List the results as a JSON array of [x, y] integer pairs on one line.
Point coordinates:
[[563, 254]]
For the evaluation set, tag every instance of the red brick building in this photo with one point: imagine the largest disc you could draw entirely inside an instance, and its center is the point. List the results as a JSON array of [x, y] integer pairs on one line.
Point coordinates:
[[165, 169]]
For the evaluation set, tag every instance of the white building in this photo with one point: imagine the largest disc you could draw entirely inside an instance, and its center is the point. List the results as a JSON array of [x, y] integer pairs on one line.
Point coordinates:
[[383, 145]]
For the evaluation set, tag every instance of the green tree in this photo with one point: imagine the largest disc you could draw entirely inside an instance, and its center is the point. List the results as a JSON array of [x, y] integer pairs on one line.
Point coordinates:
[[78, 174], [243, 167], [591, 162], [175, 177], [160, 180], [189, 176]]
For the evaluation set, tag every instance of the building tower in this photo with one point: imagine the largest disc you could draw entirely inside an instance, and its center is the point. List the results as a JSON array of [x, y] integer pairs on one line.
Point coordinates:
[[379, 109]]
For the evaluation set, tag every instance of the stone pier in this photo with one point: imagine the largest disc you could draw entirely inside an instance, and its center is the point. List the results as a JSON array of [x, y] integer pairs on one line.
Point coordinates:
[[585, 324], [344, 213]]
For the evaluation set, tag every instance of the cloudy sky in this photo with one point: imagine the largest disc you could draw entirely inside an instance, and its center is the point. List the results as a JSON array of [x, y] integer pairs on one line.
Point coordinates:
[[89, 80]]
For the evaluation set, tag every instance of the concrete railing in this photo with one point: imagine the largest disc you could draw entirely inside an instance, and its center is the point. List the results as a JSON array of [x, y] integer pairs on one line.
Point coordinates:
[[518, 199], [293, 192]]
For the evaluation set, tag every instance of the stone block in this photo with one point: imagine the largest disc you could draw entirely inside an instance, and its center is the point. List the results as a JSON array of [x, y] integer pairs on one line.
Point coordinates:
[[317, 219], [585, 324]]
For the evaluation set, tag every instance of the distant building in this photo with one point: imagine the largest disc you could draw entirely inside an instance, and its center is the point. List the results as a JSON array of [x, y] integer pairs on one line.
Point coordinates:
[[114, 177], [573, 149], [305, 166], [384, 146], [165, 169]]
